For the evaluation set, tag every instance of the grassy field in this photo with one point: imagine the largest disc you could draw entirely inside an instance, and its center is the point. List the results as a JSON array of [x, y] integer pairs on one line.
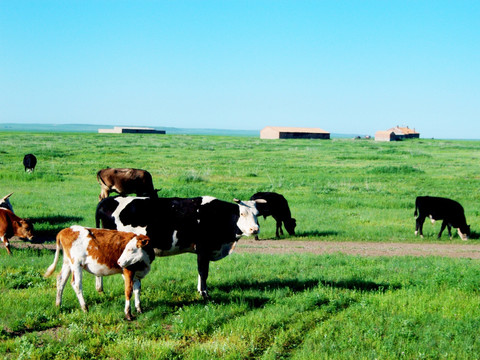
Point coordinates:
[[263, 306], [337, 189]]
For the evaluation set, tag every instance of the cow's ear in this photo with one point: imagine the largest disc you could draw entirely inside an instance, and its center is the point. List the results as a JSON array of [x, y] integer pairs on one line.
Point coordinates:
[[261, 201], [143, 241], [237, 201]]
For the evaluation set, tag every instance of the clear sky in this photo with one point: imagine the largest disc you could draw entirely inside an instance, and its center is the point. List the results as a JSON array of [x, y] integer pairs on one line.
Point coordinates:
[[345, 66]]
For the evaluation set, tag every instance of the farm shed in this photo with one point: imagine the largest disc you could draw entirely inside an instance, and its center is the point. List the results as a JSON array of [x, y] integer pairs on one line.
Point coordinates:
[[396, 133], [273, 132], [130, 130]]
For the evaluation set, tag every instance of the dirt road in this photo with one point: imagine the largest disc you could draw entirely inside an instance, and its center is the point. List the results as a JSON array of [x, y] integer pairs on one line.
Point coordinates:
[[465, 250]]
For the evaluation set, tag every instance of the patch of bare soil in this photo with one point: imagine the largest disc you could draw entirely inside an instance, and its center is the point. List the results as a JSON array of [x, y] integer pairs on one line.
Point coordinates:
[[465, 250]]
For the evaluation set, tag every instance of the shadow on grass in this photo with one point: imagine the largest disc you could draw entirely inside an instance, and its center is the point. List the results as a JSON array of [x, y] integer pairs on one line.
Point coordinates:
[[474, 235], [298, 285], [56, 223], [316, 233]]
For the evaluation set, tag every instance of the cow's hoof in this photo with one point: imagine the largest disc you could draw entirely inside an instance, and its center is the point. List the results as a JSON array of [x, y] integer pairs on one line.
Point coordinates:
[[128, 317], [204, 295]]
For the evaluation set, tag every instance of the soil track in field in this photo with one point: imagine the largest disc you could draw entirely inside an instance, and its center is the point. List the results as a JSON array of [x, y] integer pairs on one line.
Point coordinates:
[[251, 246], [466, 250]]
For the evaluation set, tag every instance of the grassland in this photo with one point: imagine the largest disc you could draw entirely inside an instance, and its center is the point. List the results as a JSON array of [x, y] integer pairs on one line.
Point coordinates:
[[270, 307]]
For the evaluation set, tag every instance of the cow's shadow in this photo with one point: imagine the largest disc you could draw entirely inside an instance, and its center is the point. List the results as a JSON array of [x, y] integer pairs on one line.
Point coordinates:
[[220, 294], [474, 235], [55, 224], [316, 233]]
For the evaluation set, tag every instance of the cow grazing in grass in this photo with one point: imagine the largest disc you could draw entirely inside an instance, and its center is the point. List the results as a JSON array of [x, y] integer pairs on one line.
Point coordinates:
[[277, 207], [102, 252], [29, 162], [203, 225], [438, 208], [11, 225], [5, 203], [125, 181]]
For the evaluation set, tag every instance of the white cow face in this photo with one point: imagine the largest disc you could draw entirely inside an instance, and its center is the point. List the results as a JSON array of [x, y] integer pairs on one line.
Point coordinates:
[[135, 252], [247, 222]]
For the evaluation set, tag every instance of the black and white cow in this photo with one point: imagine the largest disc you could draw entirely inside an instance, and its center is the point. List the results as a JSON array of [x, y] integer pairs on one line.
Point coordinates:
[[438, 208], [203, 225], [276, 206], [29, 162]]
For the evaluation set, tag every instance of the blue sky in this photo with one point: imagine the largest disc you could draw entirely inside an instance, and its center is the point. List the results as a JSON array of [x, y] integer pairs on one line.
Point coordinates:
[[345, 66]]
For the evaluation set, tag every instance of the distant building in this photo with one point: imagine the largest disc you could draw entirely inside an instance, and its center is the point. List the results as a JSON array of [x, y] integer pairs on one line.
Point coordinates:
[[273, 132], [131, 130], [396, 133]]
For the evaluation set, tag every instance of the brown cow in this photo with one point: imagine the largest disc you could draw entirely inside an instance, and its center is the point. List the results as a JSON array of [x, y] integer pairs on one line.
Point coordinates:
[[11, 225], [102, 252], [125, 181]]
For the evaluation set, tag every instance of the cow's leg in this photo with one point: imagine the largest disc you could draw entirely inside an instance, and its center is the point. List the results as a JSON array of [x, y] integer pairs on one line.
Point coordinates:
[[77, 285], [61, 281], [137, 287], [104, 193], [7, 244], [444, 224], [419, 225], [128, 277], [449, 228], [203, 263], [99, 284]]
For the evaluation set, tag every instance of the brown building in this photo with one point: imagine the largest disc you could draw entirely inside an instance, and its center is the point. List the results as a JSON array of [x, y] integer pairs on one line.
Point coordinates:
[[274, 132], [396, 133]]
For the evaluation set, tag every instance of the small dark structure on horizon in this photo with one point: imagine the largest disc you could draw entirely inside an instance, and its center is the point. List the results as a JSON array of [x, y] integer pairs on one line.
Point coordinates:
[[131, 130], [274, 132]]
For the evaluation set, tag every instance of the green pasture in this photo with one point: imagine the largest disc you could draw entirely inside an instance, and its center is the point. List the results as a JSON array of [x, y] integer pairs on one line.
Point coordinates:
[[287, 306], [263, 307], [339, 189]]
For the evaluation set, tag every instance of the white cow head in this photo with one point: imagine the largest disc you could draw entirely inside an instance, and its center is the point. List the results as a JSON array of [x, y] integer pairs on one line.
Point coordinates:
[[135, 252], [247, 221]]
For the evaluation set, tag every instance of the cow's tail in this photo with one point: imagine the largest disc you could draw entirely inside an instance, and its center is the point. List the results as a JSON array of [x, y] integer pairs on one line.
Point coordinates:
[[99, 178], [52, 267], [416, 209]]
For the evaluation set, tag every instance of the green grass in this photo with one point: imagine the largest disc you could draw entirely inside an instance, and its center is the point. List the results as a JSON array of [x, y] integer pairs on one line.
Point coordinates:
[[263, 306], [338, 189]]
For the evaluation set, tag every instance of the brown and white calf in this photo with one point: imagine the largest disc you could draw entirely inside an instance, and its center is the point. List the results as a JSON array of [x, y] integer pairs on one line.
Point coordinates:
[[102, 252], [12, 225]]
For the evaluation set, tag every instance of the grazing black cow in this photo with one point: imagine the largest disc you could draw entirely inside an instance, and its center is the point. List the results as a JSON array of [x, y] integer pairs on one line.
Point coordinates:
[[438, 208], [5, 203], [203, 225], [29, 162], [277, 207]]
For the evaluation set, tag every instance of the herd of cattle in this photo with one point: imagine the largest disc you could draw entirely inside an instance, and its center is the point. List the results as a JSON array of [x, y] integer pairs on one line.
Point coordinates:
[[131, 231]]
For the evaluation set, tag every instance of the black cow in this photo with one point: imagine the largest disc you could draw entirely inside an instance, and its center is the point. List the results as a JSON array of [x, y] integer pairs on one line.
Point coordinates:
[[277, 207], [203, 225], [5, 203], [438, 208], [29, 162]]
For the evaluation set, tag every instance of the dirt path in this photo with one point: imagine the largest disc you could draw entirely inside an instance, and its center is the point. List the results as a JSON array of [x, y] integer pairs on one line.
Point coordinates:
[[465, 250], [359, 248]]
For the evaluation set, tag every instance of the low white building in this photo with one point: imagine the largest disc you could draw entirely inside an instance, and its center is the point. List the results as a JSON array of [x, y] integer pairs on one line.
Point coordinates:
[[276, 132], [131, 130]]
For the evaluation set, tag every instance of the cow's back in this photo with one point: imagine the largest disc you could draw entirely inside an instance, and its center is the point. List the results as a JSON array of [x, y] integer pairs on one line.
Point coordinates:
[[276, 205]]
